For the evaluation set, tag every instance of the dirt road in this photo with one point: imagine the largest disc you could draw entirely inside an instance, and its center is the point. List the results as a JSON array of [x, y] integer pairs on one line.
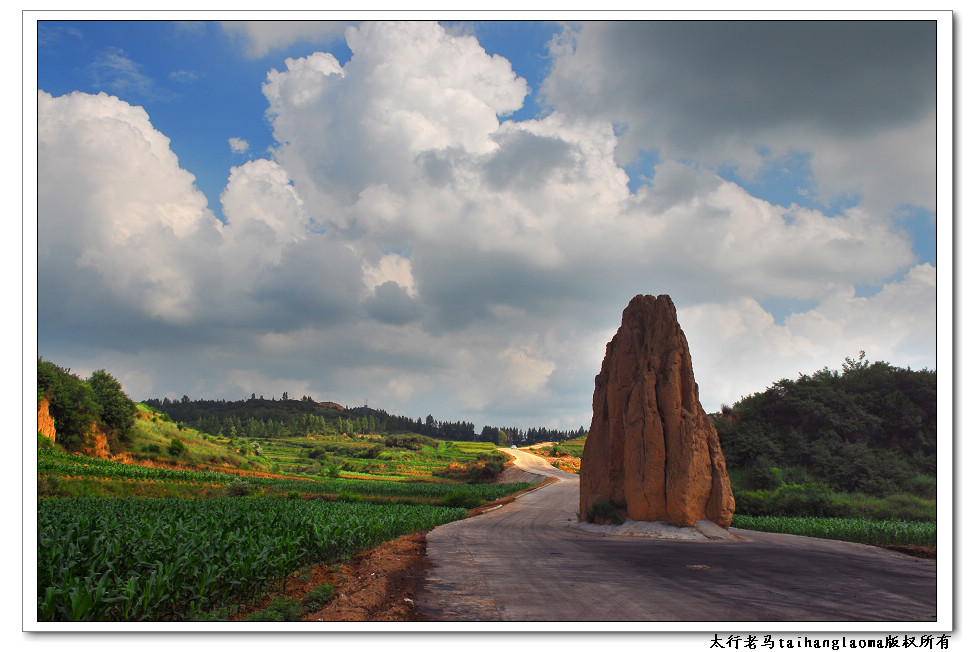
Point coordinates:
[[522, 562]]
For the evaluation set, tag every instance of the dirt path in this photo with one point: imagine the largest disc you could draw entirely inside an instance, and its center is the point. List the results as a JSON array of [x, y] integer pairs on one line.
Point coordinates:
[[524, 563]]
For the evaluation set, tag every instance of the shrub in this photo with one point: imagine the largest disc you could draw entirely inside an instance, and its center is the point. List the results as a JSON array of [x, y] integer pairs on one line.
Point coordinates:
[[411, 441], [352, 466], [753, 503], [239, 488], [293, 495], [281, 609], [765, 476], [50, 485], [925, 486], [606, 512], [813, 499], [462, 497], [318, 596], [176, 447]]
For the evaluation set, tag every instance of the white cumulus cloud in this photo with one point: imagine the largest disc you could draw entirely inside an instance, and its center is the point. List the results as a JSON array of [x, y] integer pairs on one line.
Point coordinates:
[[263, 36], [404, 242], [113, 199], [238, 145]]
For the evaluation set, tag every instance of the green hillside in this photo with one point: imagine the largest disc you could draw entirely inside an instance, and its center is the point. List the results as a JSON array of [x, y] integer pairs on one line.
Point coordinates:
[[836, 441]]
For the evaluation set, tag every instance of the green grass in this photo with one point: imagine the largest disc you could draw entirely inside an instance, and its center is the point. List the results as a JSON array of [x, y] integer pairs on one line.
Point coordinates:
[[366, 455], [153, 431], [816, 499], [52, 465], [858, 530], [281, 609]]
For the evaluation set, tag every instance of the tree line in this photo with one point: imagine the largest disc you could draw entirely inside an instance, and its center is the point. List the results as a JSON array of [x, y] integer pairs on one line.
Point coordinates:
[[465, 430], [270, 418]]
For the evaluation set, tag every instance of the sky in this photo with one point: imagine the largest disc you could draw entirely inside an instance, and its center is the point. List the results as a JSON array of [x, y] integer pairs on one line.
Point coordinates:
[[449, 218]]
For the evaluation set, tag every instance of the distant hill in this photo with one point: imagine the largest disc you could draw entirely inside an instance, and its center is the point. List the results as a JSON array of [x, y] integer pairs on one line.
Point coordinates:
[[870, 428], [269, 418]]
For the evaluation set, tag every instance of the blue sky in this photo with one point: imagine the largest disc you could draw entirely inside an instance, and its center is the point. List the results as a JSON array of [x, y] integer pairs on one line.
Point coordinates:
[[449, 218]]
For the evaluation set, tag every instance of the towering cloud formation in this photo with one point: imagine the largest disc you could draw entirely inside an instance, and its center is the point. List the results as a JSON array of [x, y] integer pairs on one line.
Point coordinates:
[[403, 240]]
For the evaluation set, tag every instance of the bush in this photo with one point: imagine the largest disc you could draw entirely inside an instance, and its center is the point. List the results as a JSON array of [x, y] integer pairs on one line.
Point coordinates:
[[239, 488], [176, 447], [925, 486], [753, 503], [411, 442], [813, 499], [765, 476], [606, 512], [49, 485], [462, 497], [318, 596], [281, 609]]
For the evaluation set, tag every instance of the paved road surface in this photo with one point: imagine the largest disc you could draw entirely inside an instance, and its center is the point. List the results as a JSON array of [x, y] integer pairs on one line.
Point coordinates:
[[522, 562]]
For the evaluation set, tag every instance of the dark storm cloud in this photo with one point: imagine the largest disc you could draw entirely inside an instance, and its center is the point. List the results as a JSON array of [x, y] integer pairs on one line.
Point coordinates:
[[392, 305], [317, 284], [697, 80], [524, 160], [462, 287]]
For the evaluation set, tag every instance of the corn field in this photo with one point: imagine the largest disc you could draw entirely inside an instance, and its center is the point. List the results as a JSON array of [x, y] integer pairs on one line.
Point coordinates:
[[857, 530], [106, 559]]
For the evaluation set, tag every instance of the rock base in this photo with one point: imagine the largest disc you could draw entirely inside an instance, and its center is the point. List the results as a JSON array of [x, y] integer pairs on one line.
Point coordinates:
[[702, 530]]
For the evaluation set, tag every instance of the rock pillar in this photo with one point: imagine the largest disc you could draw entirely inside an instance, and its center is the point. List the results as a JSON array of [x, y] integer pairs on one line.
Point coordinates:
[[652, 452]]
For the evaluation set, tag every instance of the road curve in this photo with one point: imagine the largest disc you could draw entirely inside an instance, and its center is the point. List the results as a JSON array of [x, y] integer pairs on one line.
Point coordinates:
[[522, 562]]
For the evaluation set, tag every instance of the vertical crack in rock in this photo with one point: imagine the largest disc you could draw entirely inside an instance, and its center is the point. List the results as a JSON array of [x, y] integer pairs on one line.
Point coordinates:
[[651, 446]]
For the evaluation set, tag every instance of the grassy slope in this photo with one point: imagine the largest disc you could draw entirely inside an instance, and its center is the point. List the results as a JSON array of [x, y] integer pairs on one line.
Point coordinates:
[[315, 457], [153, 432]]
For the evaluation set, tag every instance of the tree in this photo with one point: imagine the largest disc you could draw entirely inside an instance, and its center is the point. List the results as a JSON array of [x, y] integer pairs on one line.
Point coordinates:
[[502, 438], [852, 366], [115, 409]]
